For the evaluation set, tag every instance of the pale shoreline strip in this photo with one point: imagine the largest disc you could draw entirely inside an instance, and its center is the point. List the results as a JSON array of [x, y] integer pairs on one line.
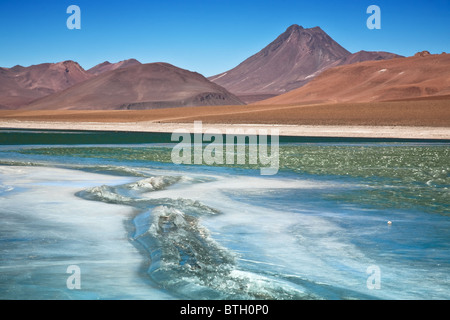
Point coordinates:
[[343, 131]]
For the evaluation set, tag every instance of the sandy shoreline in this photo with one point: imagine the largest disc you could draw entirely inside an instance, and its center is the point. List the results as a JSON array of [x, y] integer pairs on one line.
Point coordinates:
[[399, 132], [421, 119]]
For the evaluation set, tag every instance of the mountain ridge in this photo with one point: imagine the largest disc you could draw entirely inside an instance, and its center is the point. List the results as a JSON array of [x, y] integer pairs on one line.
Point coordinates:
[[284, 64], [20, 85], [142, 86], [385, 80], [108, 66], [292, 60]]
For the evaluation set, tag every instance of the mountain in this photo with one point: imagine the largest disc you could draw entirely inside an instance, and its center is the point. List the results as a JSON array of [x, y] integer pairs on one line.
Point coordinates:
[[395, 79], [142, 86], [11, 94], [362, 55], [20, 85], [293, 59], [108, 66], [285, 64]]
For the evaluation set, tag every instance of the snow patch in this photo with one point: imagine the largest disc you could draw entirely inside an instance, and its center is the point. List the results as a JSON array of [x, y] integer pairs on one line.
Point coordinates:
[[219, 76]]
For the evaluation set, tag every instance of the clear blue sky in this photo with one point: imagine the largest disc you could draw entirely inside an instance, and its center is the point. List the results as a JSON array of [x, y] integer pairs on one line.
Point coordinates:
[[207, 36]]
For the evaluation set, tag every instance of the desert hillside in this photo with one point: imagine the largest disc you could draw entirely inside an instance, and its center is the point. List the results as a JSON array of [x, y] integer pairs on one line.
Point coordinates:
[[423, 75], [20, 85], [142, 86], [292, 60]]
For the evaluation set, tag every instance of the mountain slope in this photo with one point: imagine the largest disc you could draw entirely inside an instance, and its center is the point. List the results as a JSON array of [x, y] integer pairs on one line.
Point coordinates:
[[143, 86], [362, 55], [108, 66], [295, 58], [20, 85], [285, 64], [394, 79]]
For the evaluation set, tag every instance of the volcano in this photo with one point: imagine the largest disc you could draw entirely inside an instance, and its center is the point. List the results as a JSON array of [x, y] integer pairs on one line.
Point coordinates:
[[292, 60]]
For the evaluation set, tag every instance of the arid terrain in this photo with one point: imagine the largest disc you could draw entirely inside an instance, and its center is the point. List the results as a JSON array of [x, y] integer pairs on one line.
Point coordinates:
[[302, 78], [142, 86], [433, 112], [292, 60], [417, 119], [423, 75], [20, 85], [108, 66]]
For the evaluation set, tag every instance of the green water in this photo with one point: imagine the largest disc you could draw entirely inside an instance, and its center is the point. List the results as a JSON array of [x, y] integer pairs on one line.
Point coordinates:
[[223, 231], [397, 175]]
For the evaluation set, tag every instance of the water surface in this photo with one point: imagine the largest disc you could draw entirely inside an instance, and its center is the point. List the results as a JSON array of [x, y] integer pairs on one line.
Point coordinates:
[[140, 227]]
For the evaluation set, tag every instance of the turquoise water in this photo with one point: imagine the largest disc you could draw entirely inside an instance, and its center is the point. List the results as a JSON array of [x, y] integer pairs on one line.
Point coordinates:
[[140, 227]]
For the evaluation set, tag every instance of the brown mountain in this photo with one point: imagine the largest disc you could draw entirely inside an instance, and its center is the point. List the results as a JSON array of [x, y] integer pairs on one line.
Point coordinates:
[[362, 55], [296, 57], [20, 85], [11, 94], [395, 79], [108, 66], [287, 63], [143, 86]]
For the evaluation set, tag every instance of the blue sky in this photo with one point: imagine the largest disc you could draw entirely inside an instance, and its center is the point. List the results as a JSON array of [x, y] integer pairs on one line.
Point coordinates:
[[207, 36]]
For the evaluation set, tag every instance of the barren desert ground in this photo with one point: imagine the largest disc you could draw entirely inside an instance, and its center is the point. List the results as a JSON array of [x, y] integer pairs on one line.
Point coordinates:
[[420, 118]]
